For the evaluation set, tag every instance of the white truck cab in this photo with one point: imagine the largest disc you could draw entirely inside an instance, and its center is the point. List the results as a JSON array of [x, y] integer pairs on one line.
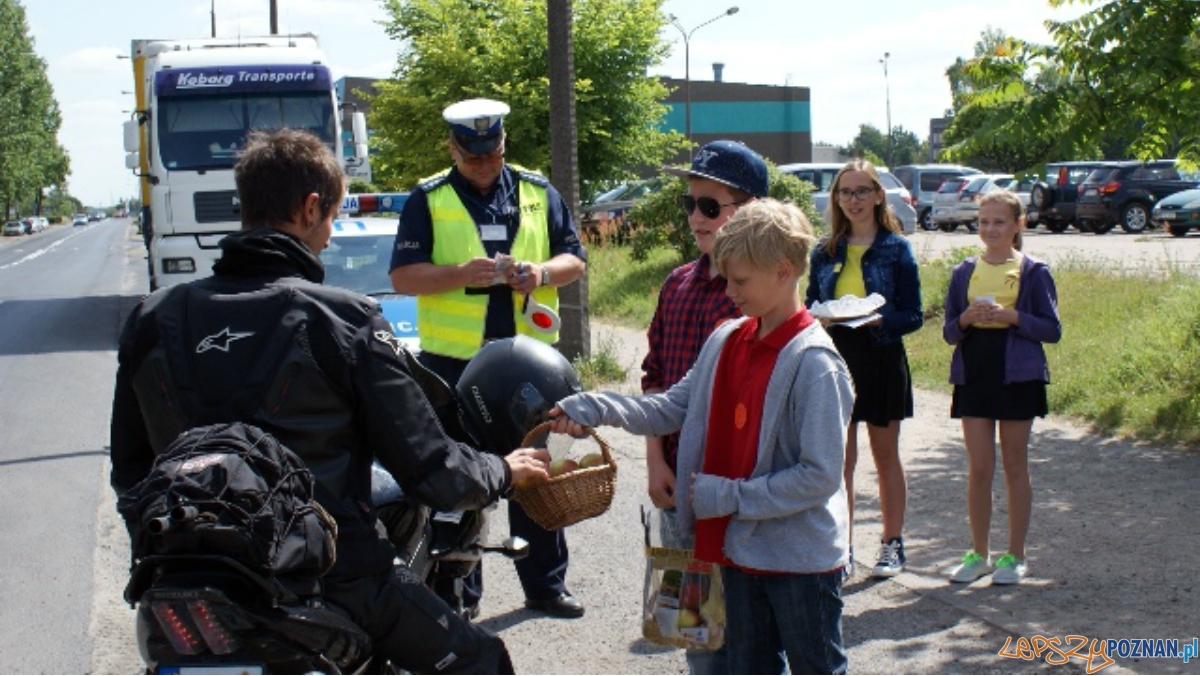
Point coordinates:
[[198, 100]]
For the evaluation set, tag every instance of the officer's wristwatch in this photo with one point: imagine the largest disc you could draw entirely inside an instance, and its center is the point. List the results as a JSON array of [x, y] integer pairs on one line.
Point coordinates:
[[545, 276]]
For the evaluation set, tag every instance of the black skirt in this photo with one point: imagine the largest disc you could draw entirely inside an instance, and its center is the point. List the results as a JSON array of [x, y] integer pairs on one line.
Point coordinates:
[[986, 395], [882, 383]]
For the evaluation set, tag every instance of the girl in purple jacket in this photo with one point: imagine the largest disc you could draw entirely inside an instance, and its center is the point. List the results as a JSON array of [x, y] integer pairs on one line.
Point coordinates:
[[1000, 308]]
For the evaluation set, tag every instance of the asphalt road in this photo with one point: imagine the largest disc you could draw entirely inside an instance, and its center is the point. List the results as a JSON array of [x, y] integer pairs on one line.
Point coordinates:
[[1153, 250], [61, 294]]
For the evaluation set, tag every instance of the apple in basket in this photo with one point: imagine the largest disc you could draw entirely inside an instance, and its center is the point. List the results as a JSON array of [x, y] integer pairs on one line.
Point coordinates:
[[592, 460], [562, 466], [689, 618]]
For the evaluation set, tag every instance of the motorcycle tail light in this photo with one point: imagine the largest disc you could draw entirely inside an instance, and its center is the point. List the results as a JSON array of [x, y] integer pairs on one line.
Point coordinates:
[[220, 641], [173, 619]]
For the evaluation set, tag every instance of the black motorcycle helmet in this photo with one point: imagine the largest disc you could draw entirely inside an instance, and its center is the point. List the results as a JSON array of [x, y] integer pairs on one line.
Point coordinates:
[[509, 387]]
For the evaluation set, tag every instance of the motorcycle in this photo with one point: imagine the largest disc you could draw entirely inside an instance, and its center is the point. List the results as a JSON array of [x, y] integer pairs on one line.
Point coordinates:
[[211, 614]]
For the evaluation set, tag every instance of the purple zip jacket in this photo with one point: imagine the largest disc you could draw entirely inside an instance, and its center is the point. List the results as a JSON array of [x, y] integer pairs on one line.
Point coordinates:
[[1037, 303]]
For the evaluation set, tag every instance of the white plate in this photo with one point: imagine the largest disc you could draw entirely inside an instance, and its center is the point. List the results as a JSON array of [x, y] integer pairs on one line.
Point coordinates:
[[848, 307]]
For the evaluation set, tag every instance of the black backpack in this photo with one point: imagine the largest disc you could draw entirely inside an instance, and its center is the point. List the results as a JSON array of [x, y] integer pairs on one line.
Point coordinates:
[[232, 490]]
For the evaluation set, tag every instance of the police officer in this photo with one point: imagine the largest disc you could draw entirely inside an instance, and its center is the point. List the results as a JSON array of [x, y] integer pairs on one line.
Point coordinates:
[[262, 341], [472, 244]]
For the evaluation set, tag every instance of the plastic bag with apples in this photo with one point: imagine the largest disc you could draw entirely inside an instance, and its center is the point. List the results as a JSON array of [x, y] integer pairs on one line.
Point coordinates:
[[684, 602]]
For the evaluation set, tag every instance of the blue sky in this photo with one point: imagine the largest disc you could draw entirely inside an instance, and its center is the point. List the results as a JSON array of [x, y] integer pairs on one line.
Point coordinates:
[[834, 49]]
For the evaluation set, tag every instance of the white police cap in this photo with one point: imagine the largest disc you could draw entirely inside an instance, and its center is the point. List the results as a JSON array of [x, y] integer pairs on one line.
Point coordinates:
[[477, 124]]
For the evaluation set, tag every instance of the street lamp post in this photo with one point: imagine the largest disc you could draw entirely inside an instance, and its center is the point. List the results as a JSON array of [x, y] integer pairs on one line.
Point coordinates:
[[687, 63], [888, 92]]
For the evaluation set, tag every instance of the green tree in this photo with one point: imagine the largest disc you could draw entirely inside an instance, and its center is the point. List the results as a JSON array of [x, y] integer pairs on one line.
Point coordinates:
[[1118, 80], [872, 144], [457, 49], [993, 94], [30, 156]]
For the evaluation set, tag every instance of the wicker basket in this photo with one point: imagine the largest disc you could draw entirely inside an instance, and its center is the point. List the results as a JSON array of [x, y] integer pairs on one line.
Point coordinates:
[[569, 498]]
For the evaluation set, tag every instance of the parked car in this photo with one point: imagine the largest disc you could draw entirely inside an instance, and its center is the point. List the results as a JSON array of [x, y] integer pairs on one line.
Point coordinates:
[[821, 175], [963, 209], [923, 181], [1052, 201], [604, 218], [14, 228], [1178, 213], [79, 219], [358, 257], [1125, 193], [35, 224]]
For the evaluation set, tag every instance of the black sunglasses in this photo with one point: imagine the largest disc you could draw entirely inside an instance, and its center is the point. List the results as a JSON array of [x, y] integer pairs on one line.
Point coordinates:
[[708, 206]]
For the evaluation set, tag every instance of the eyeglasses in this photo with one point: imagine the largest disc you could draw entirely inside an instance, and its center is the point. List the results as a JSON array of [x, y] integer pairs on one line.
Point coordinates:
[[497, 153], [709, 207], [846, 194]]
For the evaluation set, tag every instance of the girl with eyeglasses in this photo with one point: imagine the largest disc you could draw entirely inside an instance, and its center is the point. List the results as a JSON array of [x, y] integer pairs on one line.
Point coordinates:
[[865, 253]]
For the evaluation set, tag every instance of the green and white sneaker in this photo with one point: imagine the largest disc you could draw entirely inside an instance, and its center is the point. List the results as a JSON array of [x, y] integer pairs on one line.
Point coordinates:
[[973, 567], [1009, 570]]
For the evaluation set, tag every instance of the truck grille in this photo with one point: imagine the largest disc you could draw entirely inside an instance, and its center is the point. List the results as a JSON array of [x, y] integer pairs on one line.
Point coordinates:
[[218, 206]]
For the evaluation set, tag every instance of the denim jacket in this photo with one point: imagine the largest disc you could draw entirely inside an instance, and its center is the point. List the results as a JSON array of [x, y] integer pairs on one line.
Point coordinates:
[[889, 269]]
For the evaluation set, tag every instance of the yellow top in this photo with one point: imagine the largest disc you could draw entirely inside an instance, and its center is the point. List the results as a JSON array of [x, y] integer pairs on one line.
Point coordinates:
[[850, 278], [1000, 281]]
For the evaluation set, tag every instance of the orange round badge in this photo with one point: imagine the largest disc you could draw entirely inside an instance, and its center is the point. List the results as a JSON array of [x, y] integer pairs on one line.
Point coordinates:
[[739, 416]]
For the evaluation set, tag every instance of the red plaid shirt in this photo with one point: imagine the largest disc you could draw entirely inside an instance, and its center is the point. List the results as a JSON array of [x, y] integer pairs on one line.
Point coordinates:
[[690, 306]]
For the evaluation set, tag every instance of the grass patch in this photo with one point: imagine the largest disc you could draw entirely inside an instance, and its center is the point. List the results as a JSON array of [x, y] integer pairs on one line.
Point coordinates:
[[1128, 363], [602, 368], [623, 291]]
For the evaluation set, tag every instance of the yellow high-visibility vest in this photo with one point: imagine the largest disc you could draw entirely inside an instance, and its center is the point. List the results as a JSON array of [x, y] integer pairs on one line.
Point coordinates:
[[452, 323]]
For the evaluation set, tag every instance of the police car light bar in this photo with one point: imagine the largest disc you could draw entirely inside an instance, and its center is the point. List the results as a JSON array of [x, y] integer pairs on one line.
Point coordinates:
[[373, 203]]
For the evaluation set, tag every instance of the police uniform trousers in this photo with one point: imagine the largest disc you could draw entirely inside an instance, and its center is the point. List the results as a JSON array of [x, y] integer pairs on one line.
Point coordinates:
[[543, 572]]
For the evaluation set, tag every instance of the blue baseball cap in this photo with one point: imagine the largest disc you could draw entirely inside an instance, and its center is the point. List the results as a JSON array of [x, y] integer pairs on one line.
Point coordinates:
[[477, 124], [731, 163]]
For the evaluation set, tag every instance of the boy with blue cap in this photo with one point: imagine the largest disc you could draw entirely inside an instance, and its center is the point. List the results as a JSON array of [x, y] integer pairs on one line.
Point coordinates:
[[723, 176], [472, 244]]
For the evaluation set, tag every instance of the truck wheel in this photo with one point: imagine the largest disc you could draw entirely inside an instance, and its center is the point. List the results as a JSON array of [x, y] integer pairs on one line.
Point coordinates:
[[1057, 227], [973, 226], [1135, 217], [1177, 230], [927, 220]]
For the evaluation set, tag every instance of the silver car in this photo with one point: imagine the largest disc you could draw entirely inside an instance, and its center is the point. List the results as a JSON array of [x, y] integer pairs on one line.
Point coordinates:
[[923, 181], [957, 200], [822, 175]]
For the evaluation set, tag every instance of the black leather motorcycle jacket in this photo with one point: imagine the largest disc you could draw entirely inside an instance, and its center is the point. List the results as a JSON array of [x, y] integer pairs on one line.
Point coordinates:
[[263, 342]]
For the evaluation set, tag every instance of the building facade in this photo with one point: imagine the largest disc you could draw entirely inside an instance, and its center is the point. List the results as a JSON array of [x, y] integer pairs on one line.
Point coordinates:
[[775, 121]]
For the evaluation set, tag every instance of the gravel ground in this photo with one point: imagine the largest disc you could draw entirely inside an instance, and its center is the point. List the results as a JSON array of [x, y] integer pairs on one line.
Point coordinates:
[[1113, 546]]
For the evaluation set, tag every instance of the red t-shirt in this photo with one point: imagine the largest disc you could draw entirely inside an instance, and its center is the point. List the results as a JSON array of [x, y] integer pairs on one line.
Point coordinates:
[[735, 415]]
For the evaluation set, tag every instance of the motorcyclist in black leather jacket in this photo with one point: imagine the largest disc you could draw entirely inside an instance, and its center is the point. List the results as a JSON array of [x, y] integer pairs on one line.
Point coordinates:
[[264, 342]]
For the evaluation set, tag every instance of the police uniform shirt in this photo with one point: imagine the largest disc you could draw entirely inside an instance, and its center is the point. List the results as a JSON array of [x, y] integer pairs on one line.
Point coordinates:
[[414, 237]]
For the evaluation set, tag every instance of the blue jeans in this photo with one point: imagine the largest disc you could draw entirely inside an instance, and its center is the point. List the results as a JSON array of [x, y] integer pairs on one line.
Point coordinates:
[[800, 614], [699, 661]]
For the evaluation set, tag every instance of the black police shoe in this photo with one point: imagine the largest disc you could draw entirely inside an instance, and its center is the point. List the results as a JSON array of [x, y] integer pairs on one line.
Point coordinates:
[[563, 605]]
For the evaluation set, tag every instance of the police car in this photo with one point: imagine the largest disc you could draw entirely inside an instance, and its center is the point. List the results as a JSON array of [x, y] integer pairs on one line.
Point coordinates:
[[360, 253]]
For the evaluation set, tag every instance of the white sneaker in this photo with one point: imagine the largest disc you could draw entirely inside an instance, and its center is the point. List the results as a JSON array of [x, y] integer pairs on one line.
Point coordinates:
[[1009, 570], [890, 561], [973, 567]]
